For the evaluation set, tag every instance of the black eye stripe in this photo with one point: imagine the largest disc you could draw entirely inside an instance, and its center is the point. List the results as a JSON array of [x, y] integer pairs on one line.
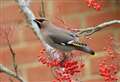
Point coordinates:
[[38, 23], [40, 20]]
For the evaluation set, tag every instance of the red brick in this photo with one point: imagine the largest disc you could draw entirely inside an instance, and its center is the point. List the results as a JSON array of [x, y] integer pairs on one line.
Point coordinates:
[[73, 23], [25, 54], [13, 34], [28, 34], [99, 18], [105, 4], [6, 78], [95, 65], [5, 55], [39, 74], [95, 80], [1, 57], [6, 14], [35, 6], [30, 51], [117, 37], [99, 39], [10, 19], [67, 7], [96, 61]]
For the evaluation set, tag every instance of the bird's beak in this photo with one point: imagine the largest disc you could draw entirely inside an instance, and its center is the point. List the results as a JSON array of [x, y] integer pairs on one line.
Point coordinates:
[[40, 20], [87, 50]]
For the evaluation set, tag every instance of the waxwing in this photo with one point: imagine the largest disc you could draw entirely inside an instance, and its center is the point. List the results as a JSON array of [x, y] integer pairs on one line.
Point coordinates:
[[60, 38]]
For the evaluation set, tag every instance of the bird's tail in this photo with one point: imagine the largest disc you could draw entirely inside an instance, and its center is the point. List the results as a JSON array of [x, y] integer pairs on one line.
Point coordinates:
[[83, 47]]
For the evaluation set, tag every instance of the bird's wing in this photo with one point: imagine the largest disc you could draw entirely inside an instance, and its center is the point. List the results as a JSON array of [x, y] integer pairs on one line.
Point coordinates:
[[65, 39], [59, 35], [62, 38]]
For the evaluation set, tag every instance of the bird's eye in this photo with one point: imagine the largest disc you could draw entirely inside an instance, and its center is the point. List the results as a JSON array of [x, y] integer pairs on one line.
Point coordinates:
[[41, 20]]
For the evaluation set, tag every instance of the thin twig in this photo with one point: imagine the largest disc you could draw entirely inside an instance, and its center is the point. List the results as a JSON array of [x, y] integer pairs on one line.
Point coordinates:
[[11, 73], [4, 69], [12, 51], [92, 30], [13, 57], [42, 8]]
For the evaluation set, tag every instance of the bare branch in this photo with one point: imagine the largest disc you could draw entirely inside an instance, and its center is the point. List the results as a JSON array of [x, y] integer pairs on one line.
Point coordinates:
[[42, 9], [92, 30], [4, 69], [10, 73], [30, 17], [13, 55], [28, 2], [6, 34]]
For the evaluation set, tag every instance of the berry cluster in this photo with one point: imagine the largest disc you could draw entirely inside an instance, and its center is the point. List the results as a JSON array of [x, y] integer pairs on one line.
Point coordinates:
[[42, 58], [108, 72], [94, 4], [45, 60], [107, 68], [67, 70], [64, 69]]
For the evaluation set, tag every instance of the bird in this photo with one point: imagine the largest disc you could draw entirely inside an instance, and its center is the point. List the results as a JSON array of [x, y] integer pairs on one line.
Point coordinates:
[[60, 38]]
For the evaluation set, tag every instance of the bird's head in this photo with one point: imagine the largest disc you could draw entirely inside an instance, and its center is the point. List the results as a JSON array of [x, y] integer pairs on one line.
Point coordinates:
[[40, 21]]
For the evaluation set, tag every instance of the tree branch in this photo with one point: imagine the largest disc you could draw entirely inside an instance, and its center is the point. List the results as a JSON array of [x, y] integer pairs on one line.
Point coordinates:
[[42, 9], [6, 33], [30, 17], [28, 2], [11, 73], [13, 56], [91, 30]]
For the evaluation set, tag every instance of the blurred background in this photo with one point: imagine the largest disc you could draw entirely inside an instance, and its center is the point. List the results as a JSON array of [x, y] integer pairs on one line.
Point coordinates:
[[75, 14]]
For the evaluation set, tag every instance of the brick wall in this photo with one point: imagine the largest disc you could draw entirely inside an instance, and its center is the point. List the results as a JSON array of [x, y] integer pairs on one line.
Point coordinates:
[[75, 14]]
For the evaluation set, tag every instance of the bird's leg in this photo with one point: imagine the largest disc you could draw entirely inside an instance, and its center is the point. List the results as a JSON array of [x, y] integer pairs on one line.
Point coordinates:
[[68, 55], [53, 51], [57, 55]]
